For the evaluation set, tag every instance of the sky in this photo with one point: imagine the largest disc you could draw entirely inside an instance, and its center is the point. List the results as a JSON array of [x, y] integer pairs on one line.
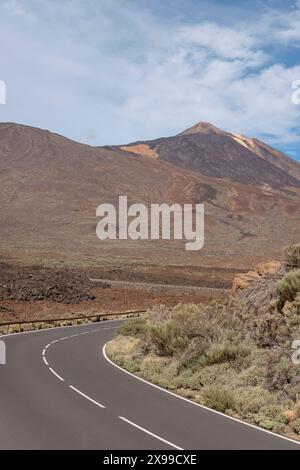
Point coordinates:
[[116, 71]]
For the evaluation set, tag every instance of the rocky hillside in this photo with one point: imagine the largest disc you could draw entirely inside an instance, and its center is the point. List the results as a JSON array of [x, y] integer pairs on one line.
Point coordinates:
[[213, 152], [51, 186]]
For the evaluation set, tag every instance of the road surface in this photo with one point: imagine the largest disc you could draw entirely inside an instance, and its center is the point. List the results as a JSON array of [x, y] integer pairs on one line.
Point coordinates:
[[58, 391]]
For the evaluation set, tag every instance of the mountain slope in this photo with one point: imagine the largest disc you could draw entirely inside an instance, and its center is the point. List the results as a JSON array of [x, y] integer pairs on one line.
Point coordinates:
[[213, 152], [51, 186]]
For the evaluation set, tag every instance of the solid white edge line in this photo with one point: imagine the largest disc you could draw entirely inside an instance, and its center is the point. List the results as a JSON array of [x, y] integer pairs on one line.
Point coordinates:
[[194, 403], [55, 373], [85, 396], [150, 433]]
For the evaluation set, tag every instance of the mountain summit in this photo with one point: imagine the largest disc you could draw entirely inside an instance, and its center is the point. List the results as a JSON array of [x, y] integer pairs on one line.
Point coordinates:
[[202, 128], [51, 187], [212, 152]]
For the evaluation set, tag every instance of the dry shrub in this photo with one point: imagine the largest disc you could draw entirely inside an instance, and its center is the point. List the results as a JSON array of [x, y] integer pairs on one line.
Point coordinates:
[[280, 371], [292, 256], [219, 399], [293, 413], [189, 329], [135, 327], [232, 355], [288, 287], [296, 426]]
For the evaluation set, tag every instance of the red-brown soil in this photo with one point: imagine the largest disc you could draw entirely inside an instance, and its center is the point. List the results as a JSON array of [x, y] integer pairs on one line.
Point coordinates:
[[34, 292], [51, 186]]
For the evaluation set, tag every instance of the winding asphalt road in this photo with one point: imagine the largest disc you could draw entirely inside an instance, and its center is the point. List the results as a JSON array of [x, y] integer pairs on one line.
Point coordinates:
[[59, 391]]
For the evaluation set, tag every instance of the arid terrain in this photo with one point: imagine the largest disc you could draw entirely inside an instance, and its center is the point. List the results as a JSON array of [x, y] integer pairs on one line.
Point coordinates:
[[51, 187], [33, 292], [235, 356]]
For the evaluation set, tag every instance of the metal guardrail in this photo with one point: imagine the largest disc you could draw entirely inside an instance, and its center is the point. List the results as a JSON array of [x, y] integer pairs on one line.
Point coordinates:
[[68, 320]]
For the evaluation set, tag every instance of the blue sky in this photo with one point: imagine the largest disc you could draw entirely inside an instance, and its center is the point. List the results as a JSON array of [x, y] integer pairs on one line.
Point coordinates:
[[115, 71]]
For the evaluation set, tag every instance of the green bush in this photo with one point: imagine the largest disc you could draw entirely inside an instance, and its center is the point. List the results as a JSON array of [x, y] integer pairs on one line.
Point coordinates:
[[135, 327], [219, 398], [271, 425], [292, 256], [296, 426], [168, 338], [280, 371], [233, 356], [250, 400], [289, 286], [227, 352]]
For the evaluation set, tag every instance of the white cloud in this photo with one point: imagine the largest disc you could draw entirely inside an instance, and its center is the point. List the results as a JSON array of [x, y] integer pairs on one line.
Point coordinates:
[[115, 71], [17, 8], [222, 41], [286, 25]]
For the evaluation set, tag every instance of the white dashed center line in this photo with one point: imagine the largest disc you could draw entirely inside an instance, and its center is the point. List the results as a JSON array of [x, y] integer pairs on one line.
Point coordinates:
[[55, 373], [150, 433], [91, 399], [45, 361], [85, 396]]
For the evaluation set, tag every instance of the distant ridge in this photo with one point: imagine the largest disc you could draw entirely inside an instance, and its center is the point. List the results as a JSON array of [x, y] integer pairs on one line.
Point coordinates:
[[50, 187], [216, 153]]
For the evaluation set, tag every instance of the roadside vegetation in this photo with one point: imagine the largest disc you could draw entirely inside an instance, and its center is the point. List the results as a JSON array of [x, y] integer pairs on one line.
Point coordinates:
[[233, 356]]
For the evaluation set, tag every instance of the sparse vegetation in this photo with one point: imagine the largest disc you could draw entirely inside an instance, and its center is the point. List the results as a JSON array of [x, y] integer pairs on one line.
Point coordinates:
[[289, 286], [233, 356], [134, 327], [221, 399], [292, 256]]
